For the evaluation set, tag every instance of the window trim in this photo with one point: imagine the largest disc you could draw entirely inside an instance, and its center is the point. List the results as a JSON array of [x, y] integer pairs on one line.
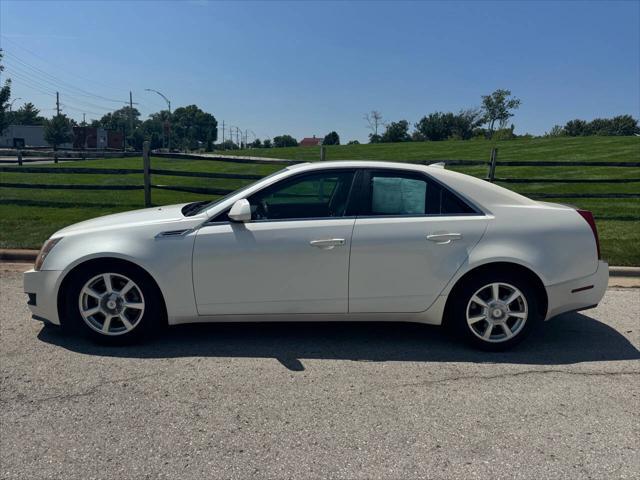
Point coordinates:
[[359, 195], [357, 173], [365, 194]]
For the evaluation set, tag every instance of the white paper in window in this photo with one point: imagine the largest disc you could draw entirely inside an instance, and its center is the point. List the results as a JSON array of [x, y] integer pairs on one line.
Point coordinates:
[[398, 196]]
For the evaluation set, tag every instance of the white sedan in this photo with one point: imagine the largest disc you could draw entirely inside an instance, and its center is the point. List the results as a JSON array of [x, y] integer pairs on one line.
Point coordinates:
[[338, 241]]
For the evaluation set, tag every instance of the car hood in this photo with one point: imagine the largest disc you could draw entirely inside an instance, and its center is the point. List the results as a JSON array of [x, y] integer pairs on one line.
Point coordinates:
[[147, 216]]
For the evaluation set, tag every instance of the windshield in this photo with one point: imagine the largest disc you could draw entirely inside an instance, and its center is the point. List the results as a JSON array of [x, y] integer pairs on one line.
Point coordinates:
[[199, 207]]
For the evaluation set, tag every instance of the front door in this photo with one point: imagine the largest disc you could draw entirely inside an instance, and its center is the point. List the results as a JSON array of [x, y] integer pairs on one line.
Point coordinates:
[[411, 238], [293, 257]]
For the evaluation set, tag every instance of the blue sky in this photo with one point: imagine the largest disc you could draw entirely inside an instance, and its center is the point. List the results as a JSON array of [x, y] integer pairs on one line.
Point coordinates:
[[306, 68]]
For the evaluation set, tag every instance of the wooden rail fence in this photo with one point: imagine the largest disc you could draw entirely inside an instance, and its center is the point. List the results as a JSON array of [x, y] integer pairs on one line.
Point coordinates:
[[147, 171]]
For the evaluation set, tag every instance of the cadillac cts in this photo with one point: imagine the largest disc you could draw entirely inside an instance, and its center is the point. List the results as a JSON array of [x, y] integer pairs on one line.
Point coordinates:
[[332, 241]]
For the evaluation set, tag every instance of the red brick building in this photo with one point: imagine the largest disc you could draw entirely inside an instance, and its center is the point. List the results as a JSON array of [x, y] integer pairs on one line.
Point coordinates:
[[310, 142]]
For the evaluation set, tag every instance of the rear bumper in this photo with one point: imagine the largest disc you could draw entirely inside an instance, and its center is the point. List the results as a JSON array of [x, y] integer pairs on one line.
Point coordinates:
[[578, 294], [42, 288]]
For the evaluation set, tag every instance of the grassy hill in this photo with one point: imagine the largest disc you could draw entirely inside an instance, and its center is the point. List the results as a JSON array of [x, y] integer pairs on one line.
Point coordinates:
[[29, 215], [558, 148]]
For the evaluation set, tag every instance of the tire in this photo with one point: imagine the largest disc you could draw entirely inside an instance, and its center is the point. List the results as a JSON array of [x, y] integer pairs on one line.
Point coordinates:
[[113, 303], [491, 323]]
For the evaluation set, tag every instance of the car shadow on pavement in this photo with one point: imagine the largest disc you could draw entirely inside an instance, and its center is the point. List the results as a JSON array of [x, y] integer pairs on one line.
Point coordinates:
[[570, 338]]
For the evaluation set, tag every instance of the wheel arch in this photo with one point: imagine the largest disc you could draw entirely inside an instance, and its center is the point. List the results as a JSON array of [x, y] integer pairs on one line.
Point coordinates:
[[499, 266], [113, 263]]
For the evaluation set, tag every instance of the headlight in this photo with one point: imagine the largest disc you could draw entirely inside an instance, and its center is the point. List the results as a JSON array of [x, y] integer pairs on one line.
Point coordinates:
[[44, 251]]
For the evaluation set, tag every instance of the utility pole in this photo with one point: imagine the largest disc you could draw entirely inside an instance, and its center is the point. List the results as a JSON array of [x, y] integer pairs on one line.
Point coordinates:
[[131, 112], [222, 134], [57, 103], [84, 122], [169, 107]]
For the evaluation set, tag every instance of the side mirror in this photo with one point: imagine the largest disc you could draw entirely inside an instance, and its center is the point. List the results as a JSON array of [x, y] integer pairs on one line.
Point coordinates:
[[240, 211]]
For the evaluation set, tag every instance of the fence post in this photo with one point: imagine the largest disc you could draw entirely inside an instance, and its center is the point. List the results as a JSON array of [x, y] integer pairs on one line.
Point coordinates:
[[492, 164], [322, 153], [146, 162], [19, 157], [55, 156]]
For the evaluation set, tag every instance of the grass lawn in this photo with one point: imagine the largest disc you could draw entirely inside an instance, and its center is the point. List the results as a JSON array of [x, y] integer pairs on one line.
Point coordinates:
[[559, 148], [29, 216]]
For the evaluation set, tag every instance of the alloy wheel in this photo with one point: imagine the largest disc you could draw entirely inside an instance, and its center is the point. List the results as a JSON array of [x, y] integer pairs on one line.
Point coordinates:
[[497, 312], [111, 304]]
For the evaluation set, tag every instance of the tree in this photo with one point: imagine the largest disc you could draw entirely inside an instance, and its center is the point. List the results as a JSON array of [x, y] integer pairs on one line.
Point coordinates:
[[256, 143], [27, 114], [498, 107], [556, 131], [396, 132], [436, 126], [617, 126], [353, 142], [331, 138], [576, 128], [228, 145], [156, 129], [284, 141], [120, 119], [625, 125], [126, 120], [57, 130], [266, 143], [5, 94], [441, 126], [374, 121], [192, 127]]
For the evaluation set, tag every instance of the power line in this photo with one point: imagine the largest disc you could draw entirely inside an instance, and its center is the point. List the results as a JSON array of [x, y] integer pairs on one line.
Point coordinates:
[[81, 110], [34, 84], [33, 54], [31, 85], [48, 61], [55, 81], [48, 88]]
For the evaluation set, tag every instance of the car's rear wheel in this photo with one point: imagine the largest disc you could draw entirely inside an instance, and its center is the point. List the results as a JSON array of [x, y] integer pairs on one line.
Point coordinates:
[[114, 305], [495, 312]]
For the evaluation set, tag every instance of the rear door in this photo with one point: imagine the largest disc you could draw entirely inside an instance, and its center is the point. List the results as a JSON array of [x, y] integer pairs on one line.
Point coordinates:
[[411, 235]]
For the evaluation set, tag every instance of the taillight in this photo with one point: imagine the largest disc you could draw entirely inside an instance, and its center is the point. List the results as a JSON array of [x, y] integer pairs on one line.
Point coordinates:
[[588, 216]]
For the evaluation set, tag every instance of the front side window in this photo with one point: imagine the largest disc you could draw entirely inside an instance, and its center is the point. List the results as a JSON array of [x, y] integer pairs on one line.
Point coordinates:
[[317, 195], [409, 193]]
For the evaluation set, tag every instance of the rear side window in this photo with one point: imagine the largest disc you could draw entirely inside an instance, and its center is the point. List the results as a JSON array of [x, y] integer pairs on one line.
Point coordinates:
[[408, 193], [396, 195]]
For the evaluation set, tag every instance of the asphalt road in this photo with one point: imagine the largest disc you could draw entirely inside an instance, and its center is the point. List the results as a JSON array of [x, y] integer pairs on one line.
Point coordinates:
[[321, 400]]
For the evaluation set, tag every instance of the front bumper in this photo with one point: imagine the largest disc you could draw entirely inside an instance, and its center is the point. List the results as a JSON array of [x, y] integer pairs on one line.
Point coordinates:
[[42, 288], [578, 294]]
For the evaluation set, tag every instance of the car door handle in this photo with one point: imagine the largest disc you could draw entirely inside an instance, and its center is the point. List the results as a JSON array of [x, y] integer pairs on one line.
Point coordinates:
[[328, 243], [444, 238]]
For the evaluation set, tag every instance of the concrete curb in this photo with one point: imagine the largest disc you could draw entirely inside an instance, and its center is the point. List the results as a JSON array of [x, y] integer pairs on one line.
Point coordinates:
[[624, 272], [23, 255], [18, 255]]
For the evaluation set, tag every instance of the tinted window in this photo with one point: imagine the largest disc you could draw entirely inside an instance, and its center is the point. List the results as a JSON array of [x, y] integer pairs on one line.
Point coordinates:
[[407, 193], [397, 195], [319, 195], [447, 203]]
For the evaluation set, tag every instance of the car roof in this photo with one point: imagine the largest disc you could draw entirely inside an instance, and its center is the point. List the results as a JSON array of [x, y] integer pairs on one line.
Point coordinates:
[[356, 164]]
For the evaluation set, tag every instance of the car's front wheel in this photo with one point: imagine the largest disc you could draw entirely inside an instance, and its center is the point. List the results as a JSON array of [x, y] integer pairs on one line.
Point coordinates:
[[112, 304], [495, 312]]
